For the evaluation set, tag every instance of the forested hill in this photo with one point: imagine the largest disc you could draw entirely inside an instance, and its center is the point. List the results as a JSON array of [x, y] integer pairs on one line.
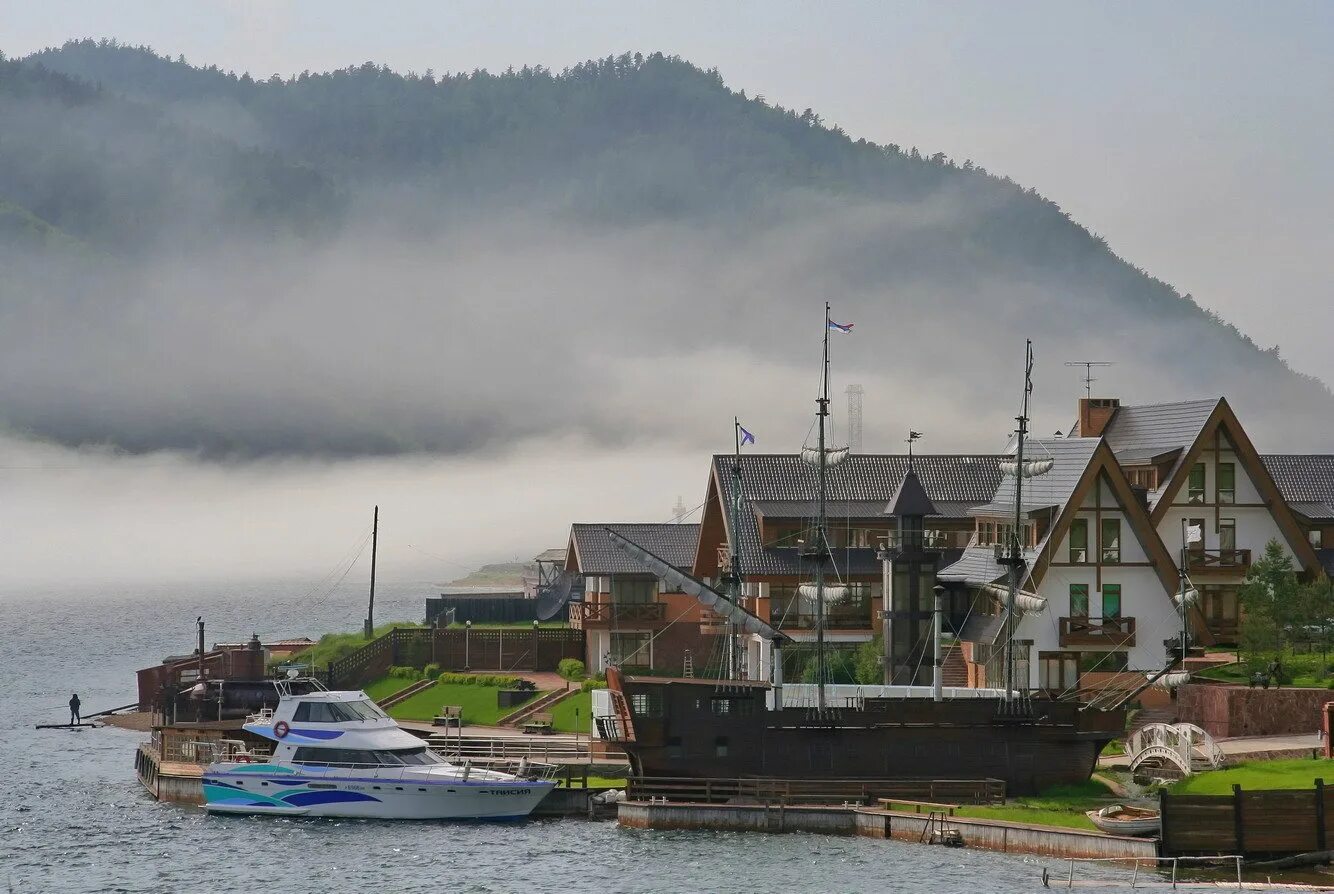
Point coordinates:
[[670, 187]]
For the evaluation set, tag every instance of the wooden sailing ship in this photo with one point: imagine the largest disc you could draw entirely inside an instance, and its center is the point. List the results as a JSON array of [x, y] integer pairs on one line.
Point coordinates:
[[694, 727]]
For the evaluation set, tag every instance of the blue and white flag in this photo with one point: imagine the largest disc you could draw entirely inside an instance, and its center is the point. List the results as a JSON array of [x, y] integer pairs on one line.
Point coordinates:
[[840, 327], [746, 437]]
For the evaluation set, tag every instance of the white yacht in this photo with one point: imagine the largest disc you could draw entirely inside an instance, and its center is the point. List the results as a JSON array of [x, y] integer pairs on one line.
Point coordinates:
[[338, 754]]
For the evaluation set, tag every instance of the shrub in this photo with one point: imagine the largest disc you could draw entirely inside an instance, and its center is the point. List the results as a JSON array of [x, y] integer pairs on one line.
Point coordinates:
[[431, 671], [405, 673], [571, 669], [593, 683], [504, 682]]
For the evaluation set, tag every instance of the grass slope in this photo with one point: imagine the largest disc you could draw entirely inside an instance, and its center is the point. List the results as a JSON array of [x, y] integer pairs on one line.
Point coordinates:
[[478, 703], [1257, 775], [386, 686], [562, 714]]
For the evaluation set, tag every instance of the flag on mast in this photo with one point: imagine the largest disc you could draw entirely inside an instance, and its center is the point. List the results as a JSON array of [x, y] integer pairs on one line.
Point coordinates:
[[1194, 534], [746, 437], [840, 327]]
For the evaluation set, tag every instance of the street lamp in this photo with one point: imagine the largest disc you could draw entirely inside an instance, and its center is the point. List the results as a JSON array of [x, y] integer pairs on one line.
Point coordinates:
[[535, 666], [467, 635]]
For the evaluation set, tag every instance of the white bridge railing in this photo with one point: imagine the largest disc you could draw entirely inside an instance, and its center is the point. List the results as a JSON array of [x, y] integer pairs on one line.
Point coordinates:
[[1183, 745]]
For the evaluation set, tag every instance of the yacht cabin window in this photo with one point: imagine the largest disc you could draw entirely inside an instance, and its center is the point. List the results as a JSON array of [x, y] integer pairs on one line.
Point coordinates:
[[355, 757], [336, 712]]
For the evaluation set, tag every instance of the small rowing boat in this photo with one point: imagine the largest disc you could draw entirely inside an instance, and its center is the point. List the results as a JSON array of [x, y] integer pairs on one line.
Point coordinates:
[[1121, 820]]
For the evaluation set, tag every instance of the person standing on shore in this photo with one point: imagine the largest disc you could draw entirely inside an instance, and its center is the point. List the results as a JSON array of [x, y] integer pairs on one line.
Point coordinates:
[[74, 709]]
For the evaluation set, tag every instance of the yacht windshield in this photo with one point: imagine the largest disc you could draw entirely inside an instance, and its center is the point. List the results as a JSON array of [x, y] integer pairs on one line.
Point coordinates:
[[336, 712], [353, 757]]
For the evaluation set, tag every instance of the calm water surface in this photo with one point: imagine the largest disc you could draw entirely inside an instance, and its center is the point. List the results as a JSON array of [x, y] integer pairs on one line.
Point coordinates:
[[73, 818]]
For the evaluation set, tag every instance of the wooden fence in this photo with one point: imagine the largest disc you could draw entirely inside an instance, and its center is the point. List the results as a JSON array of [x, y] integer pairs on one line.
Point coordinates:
[[814, 791], [496, 649], [1251, 823]]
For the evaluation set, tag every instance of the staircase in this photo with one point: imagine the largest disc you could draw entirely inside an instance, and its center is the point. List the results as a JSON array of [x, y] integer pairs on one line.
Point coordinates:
[[1146, 716], [539, 705], [404, 694], [954, 670]]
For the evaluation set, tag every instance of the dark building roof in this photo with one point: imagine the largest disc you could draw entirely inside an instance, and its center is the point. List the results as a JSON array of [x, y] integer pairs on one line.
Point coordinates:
[[1070, 458], [782, 485], [1305, 481], [910, 498], [675, 543], [1139, 434]]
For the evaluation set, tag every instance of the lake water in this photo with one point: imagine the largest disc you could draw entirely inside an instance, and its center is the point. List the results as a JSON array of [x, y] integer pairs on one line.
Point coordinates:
[[73, 818]]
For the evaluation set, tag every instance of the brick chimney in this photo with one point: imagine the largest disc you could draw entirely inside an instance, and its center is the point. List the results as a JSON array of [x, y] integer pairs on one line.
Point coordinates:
[[1094, 414]]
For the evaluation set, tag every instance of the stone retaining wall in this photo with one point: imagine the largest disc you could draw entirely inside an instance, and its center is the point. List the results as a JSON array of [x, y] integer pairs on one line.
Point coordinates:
[[1225, 711]]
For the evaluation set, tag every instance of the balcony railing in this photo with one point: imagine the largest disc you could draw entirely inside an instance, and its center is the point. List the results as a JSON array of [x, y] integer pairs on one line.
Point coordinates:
[[1205, 560], [585, 613], [930, 539], [1097, 632]]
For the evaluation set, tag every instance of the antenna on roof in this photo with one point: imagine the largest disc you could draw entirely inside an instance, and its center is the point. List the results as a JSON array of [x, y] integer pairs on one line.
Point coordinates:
[[1088, 372], [679, 510]]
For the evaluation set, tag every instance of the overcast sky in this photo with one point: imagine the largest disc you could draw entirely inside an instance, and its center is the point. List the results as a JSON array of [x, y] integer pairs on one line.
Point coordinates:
[[1196, 137]]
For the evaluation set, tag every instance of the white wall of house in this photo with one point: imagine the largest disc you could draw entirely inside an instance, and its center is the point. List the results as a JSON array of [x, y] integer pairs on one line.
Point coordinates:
[[1254, 522], [1143, 595]]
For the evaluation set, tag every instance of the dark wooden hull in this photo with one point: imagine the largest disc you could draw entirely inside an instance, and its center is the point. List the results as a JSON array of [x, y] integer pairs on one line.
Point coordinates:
[[698, 729]]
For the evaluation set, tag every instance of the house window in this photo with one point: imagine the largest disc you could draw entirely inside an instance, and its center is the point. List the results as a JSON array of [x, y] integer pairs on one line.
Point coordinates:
[[1195, 487], [1111, 600], [1079, 600], [1058, 671], [1103, 662], [722, 706], [720, 745], [632, 649], [633, 590], [1313, 537], [1145, 478], [1227, 533], [1227, 483], [1198, 545], [1111, 541], [1079, 541]]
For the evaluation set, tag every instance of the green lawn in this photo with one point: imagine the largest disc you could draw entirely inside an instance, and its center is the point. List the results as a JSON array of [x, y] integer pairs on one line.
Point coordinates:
[[1061, 805], [598, 782], [562, 714], [1305, 669], [478, 703], [386, 686], [1257, 775]]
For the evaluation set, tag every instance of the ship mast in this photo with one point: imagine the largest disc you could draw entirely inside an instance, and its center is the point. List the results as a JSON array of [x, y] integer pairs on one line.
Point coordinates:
[[822, 521], [1015, 558], [734, 581]]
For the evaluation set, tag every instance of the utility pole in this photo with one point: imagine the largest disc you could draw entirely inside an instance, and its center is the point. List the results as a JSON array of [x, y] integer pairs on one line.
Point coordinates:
[[370, 607]]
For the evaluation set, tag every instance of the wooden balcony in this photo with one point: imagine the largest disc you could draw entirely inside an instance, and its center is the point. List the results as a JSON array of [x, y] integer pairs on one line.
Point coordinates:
[[597, 615], [1218, 561], [1097, 632]]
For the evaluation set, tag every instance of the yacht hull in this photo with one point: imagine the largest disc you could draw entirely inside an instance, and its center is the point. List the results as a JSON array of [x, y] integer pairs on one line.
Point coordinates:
[[278, 791]]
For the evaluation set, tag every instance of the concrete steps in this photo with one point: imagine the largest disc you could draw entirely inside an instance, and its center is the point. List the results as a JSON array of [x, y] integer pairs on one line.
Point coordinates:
[[955, 670], [404, 694], [537, 706]]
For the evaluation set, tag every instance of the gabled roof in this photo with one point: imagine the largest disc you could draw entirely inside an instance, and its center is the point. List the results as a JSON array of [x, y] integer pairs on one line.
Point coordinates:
[[591, 552], [910, 498], [1070, 457], [1305, 481], [783, 485], [1145, 433]]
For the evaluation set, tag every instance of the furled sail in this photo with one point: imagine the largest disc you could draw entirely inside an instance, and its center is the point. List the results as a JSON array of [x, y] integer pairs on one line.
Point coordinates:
[[832, 455], [1191, 597], [1032, 467], [1024, 601], [834, 594], [1172, 680]]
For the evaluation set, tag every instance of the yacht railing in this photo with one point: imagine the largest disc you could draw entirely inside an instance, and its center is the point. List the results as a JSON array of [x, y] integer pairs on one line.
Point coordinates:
[[524, 770]]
